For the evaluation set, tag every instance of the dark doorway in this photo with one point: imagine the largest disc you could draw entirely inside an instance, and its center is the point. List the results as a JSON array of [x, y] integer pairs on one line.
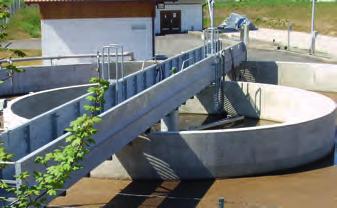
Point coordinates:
[[170, 22]]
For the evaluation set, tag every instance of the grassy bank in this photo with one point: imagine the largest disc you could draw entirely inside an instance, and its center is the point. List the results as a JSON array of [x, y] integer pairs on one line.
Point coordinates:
[[28, 53], [277, 13], [25, 24], [264, 13]]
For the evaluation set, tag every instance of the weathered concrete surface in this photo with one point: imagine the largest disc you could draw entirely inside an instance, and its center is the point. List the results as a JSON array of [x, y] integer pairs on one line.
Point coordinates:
[[23, 108], [40, 78], [309, 76], [202, 103], [306, 134]]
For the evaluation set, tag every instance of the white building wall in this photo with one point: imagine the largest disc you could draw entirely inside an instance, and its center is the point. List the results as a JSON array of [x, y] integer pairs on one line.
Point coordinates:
[[191, 16], [84, 36]]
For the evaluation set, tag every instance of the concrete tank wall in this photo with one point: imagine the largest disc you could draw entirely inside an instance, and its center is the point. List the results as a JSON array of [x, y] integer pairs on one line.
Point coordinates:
[[50, 100], [306, 134], [309, 76], [40, 78], [26, 107]]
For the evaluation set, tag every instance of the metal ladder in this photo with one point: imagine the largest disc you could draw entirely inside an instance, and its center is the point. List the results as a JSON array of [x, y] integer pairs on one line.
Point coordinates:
[[211, 41], [104, 62], [212, 45]]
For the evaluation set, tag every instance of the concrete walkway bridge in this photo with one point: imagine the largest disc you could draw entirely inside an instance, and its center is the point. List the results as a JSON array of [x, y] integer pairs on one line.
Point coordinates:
[[134, 102]]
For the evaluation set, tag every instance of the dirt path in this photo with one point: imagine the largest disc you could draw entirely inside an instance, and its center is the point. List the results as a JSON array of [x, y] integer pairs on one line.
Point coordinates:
[[25, 44]]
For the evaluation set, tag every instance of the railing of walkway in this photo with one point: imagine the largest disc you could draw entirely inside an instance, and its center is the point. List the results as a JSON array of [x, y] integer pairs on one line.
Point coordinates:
[[52, 60]]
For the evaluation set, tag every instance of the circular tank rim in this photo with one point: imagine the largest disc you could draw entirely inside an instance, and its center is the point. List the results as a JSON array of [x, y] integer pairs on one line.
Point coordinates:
[[19, 120], [10, 116], [222, 153], [331, 110]]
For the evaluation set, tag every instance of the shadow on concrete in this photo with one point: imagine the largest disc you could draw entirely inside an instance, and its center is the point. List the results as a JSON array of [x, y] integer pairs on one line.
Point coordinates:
[[157, 177], [258, 72], [141, 161], [239, 101]]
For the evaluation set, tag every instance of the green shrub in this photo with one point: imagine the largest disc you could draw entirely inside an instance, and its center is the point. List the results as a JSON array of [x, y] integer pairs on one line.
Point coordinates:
[[25, 24]]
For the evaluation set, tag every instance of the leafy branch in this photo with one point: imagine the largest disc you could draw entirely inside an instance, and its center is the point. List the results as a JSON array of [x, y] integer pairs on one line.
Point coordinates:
[[8, 65], [65, 160], [60, 163]]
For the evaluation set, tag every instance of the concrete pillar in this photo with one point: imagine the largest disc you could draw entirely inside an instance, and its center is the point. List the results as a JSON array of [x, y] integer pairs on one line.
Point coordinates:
[[312, 49], [290, 27], [244, 34], [170, 122]]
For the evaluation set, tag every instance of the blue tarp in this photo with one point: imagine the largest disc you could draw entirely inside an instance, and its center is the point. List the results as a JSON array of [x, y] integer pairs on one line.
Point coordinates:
[[234, 22]]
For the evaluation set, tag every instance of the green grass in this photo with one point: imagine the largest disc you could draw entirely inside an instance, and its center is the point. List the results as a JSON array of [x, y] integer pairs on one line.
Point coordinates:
[[28, 53], [277, 13], [258, 3], [264, 13], [25, 24]]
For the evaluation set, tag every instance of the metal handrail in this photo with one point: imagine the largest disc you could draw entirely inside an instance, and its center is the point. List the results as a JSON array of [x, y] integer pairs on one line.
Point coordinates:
[[119, 54], [36, 58], [183, 64], [154, 58]]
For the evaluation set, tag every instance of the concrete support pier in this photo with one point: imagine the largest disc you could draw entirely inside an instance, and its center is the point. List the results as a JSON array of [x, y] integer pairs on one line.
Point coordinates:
[[244, 34], [170, 122]]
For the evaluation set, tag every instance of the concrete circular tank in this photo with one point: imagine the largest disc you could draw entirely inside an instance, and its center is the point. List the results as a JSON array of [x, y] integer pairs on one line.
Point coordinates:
[[306, 134], [29, 106]]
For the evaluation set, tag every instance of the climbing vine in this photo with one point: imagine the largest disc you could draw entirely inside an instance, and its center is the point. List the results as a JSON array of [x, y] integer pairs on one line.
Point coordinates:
[[60, 163], [8, 65], [65, 160]]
